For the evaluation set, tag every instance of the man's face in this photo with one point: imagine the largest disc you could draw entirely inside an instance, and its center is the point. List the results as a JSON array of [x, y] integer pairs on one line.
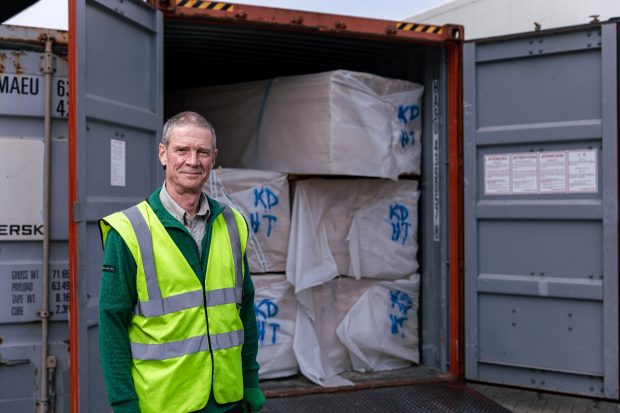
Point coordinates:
[[188, 159]]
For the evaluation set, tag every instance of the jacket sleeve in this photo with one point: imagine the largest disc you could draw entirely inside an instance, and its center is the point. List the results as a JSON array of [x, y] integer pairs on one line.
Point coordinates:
[[248, 317], [116, 301]]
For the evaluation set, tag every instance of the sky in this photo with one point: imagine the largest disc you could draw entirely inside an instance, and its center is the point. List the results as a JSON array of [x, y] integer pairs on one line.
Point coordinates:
[[52, 14]]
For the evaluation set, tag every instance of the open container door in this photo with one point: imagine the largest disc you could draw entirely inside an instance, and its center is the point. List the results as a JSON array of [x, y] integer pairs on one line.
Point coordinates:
[[115, 73], [541, 210]]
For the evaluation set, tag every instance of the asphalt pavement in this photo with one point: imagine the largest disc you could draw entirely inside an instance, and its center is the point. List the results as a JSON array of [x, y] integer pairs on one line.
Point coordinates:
[[528, 401]]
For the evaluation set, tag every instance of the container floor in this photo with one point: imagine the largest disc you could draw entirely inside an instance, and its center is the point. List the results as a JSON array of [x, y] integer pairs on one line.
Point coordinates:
[[299, 385], [412, 389], [440, 397]]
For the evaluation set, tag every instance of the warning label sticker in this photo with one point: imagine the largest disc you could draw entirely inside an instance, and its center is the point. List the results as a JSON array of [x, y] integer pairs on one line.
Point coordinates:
[[574, 171], [552, 172], [582, 171], [524, 173], [497, 174]]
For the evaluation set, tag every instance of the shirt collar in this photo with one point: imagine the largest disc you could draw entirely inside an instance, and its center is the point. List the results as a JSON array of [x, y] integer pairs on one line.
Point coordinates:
[[177, 211]]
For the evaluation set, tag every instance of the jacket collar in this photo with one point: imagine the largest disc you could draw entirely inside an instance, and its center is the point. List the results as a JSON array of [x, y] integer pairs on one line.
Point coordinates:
[[168, 220]]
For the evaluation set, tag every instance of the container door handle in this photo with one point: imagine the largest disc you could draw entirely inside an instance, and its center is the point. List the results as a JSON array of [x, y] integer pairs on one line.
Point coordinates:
[[13, 362]]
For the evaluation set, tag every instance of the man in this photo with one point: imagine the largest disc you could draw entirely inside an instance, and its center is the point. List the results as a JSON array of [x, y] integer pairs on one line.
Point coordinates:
[[177, 329]]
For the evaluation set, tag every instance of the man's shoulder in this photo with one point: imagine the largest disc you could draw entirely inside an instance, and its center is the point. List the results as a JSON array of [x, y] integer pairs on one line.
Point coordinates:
[[154, 201]]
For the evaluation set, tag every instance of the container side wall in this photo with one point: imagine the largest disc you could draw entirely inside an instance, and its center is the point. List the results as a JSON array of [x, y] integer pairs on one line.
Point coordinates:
[[22, 103]]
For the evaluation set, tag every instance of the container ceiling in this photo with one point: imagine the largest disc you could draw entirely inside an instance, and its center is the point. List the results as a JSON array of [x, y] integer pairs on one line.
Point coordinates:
[[199, 54]]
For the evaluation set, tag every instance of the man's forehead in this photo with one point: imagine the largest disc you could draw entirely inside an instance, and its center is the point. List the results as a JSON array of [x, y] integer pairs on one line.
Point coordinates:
[[191, 134]]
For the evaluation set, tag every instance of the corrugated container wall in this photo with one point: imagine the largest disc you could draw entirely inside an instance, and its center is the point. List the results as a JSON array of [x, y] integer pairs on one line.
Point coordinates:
[[23, 63]]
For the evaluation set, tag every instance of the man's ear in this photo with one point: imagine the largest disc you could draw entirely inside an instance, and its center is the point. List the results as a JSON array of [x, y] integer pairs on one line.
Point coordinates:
[[214, 157], [162, 155]]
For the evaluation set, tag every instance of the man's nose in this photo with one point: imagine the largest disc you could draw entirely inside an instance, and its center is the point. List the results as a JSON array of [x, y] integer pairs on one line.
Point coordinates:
[[192, 158]]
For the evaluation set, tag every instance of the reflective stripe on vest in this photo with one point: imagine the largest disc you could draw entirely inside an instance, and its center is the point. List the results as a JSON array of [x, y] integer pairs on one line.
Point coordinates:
[[191, 345], [158, 306]]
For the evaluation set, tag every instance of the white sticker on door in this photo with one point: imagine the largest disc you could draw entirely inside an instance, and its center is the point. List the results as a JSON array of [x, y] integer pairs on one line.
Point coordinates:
[[555, 172], [582, 171], [524, 173], [497, 174], [117, 162]]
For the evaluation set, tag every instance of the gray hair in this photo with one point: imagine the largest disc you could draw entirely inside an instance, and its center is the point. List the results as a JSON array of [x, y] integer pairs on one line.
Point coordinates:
[[184, 119]]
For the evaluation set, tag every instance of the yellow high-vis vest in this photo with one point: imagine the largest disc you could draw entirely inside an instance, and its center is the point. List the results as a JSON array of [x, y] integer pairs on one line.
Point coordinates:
[[183, 337]]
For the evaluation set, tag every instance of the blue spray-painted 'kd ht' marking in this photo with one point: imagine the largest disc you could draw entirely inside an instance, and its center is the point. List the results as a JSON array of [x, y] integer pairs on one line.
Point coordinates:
[[265, 197], [399, 215], [255, 221], [406, 137], [401, 303], [264, 310], [407, 113]]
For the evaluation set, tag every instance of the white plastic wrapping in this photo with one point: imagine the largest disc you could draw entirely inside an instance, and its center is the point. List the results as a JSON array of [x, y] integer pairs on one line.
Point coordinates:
[[275, 306], [320, 353], [381, 328], [263, 198], [332, 123], [362, 228]]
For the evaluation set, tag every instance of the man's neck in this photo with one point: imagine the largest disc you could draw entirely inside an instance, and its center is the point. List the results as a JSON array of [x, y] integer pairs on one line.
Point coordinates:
[[189, 201]]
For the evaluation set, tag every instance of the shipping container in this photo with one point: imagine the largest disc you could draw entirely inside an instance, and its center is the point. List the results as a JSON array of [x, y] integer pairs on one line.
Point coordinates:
[[518, 257], [129, 55], [22, 346], [34, 256]]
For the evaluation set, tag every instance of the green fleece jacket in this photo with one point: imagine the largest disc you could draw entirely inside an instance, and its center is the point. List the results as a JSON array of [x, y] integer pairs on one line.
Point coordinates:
[[118, 296]]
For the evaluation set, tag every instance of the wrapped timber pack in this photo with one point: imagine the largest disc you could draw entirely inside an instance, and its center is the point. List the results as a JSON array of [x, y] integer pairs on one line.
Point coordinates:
[[357, 227], [362, 324], [320, 353], [381, 329], [331, 123], [263, 198], [275, 306]]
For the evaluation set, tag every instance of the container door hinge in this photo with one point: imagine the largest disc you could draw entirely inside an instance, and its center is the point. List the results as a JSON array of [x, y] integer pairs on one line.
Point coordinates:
[[48, 61], [51, 380], [47, 406]]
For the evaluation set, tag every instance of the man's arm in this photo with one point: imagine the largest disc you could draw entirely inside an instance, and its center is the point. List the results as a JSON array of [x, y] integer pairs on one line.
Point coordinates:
[[117, 297]]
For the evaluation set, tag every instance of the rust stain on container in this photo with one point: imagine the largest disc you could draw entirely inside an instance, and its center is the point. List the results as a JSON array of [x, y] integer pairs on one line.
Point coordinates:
[[17, 62], [30, 35]]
